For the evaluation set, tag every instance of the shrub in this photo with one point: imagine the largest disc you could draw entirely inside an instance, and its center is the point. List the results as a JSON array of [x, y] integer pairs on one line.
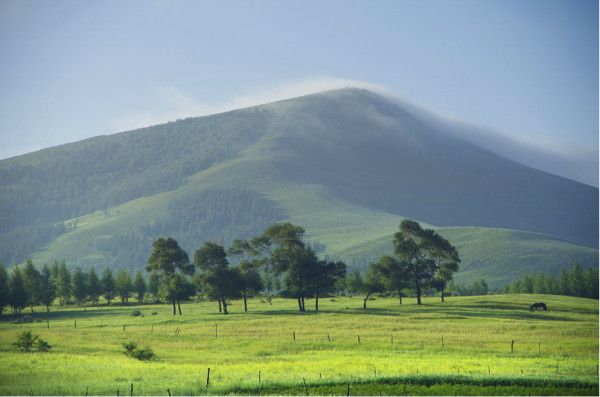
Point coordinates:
[[42, 346], [154, 313], [129, 347], [136, 313], [28, 342], [144, 354], [132, 350]]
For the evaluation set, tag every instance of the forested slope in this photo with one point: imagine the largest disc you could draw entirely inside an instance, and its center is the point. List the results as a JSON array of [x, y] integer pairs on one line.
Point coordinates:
[[347, 165]]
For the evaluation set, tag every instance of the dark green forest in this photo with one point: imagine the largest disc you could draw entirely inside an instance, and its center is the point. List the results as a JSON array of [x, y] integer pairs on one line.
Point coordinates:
[[42, 189], [217, 215]]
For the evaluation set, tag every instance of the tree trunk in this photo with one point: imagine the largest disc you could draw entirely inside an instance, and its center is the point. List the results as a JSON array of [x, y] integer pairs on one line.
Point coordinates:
[[174, 310], [225, 307], [303, 307], [317, 301], [245, 302], [220, 309], [442, 295], [418, 292], [299, 304], [365, 301], [400, 296], [47, 308], [179, 306]]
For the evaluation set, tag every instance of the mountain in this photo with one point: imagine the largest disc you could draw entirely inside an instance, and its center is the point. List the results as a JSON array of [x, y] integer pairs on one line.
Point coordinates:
[[347, 165]]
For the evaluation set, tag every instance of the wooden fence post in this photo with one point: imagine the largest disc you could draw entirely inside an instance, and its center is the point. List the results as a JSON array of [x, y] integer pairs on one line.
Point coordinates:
[[131, 390], [207, 377], [512, 346]]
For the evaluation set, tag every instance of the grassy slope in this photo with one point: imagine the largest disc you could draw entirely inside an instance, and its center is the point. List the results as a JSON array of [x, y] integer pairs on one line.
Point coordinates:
[[349, 231], [475, 357]]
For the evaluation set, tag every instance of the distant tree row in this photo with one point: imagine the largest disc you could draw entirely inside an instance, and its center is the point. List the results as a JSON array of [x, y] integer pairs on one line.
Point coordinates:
[[573, 281], [478, 287], [29, 286]]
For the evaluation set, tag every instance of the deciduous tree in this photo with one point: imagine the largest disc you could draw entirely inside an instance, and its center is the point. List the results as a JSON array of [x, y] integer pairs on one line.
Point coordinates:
[[168, 259]]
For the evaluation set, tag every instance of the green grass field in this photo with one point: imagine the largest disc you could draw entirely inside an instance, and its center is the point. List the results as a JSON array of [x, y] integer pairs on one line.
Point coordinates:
[[459, 347]]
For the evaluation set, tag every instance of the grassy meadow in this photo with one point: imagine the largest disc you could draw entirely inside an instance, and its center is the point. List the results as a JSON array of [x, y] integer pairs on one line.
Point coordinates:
[[462, 346]]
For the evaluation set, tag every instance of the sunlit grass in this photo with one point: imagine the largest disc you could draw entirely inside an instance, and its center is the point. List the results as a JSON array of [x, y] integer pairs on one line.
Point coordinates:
[[396, 342]]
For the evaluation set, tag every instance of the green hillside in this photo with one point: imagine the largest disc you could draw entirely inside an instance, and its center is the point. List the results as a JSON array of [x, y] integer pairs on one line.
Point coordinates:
[[347, 165]]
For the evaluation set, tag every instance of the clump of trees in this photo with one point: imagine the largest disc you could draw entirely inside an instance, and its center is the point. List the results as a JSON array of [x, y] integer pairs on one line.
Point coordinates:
[[573, 281], [28, 342], [280, 250], [278, 261], [422, 260]]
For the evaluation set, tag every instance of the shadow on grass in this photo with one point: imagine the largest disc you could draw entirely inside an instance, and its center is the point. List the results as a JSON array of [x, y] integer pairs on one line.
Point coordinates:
[[74, 313], [402, 312]]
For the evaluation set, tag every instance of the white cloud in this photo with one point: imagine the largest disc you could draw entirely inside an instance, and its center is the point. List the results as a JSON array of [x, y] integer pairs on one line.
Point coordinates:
[[181, 105], [561, 158]]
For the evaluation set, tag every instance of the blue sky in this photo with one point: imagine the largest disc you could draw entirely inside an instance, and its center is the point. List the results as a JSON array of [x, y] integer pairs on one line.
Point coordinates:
[[75, 69]]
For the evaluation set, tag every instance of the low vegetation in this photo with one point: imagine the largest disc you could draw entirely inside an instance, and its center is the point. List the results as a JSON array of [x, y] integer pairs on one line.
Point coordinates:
[[142, 354], [28, 342], [461, 346]]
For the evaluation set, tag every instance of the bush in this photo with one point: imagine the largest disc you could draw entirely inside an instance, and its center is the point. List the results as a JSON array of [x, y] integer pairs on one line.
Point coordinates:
[[132, 350], [136, 313], [154, 313], [144, 354], [129, 347], [28, 342]]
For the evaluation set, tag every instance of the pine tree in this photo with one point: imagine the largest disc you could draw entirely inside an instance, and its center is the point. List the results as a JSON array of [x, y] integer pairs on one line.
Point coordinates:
[[4, 288], [123, 285], [564, 282], [47, 288], [31, 278], [79, 286], [18, 294], [63, 283], [94, 287], [108, 285], [576, 280], [139, 286]]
